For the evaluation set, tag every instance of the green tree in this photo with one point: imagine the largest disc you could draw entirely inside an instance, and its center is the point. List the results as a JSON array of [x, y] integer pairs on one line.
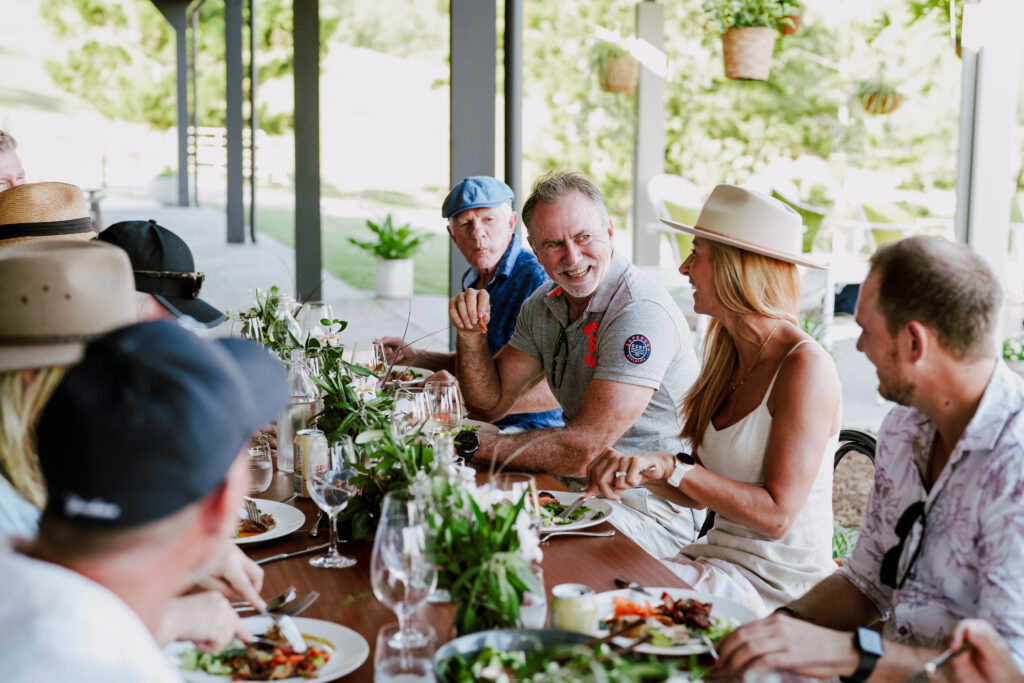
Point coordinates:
[[121, 57]]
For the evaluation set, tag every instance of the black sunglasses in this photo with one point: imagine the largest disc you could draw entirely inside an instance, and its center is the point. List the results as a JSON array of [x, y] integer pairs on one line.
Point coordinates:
[[889, 571], [558, 369]]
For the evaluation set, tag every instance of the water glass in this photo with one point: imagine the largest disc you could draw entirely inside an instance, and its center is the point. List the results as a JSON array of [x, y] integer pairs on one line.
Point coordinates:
[[261, 469], [328, 477], [448, 406], [311, 317], [533, 613], [515, 486], [411, 410], [395, 662]]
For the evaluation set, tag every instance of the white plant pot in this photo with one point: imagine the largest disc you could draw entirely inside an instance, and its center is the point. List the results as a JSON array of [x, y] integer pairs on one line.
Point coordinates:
[[164, 189], [394, 278]]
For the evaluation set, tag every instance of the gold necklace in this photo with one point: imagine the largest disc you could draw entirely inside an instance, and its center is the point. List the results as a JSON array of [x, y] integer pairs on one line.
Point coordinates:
[[733, 386]]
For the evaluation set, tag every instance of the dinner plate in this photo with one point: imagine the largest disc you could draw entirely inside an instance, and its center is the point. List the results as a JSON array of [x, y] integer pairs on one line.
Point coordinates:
[[349, 649], [288, 519], [590, 518], [482, 427], [720, 607], [424, 373]]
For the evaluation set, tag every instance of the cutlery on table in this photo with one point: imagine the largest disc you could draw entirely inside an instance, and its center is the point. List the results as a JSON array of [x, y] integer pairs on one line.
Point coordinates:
[[253, 513], [623, 582], [283, 619], [290, 498], [576, 505], [272, 604], [285, 556], [296, 608], [552, 534]]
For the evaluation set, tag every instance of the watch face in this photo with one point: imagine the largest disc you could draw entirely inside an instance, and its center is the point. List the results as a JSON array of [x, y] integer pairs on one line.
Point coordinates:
[[467, 442], [685, 458], [869, 642]]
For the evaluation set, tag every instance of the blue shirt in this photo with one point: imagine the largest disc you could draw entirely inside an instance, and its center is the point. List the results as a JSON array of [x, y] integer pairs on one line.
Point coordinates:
[[517, 276]]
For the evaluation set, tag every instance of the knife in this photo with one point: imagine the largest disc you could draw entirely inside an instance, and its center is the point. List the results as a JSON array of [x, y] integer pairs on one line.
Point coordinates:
[[285, 556], [290, 631]]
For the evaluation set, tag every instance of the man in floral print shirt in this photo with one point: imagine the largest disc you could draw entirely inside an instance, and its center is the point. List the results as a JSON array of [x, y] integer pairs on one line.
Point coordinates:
[[943, 534]]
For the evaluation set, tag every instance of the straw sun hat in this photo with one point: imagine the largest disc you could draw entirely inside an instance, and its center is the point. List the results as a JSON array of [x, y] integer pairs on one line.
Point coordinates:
[[56, 296], [750, 220], [43, 211]]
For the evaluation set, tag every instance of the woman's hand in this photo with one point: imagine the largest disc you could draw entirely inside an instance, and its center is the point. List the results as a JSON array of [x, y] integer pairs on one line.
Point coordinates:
[[613, 472]]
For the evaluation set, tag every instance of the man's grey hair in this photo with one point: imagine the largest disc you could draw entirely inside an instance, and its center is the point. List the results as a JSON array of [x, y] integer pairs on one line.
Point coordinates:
[[944, 285], [7, 142], [550, 188]]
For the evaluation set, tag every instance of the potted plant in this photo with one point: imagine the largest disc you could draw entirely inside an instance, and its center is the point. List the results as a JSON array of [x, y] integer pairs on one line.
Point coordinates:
[[749, 29], [164, 187], [394, 249], [616, 68], [792, 16], [878, 96]]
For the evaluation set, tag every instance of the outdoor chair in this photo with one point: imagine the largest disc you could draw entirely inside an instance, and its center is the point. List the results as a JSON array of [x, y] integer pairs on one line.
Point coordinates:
[[850, 441]]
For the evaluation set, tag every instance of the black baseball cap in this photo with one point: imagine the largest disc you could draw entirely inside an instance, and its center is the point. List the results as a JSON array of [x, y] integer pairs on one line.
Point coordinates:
[[164, 267], [150, 422]]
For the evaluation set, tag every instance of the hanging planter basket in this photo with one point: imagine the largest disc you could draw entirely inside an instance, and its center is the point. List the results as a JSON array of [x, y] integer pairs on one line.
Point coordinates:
[[618, 74], [881, 103], [747, 52], [791, 24]]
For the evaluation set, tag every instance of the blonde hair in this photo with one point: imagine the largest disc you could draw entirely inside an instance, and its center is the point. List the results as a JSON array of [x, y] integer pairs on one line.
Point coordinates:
[[746, 283], [22, 397]]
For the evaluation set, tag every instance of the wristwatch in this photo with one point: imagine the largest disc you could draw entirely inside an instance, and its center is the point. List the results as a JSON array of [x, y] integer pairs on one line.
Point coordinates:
[[467, 443], [684, 463], [869, 648]]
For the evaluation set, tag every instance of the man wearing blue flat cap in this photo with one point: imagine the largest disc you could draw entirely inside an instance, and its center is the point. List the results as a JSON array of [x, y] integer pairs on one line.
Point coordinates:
[[483, 226]]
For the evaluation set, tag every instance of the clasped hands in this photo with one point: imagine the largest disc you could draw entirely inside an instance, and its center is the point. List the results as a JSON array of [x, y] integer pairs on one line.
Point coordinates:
[[612, 472]]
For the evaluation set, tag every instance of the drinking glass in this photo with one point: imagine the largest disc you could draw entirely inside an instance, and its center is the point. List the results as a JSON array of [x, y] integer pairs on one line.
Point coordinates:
[[533, 612], [251, 329], [328, 476], [379, 357], [411, 410], [401, 568], [311, 316], [261, 469], [448, 403], [514, 486], [394, 662]]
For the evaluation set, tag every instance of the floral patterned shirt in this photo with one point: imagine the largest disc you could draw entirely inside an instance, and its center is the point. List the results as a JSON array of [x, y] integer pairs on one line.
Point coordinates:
[[971, 558]]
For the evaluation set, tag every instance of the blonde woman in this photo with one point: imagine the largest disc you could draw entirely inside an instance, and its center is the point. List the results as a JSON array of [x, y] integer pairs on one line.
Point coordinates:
[[763, 416]]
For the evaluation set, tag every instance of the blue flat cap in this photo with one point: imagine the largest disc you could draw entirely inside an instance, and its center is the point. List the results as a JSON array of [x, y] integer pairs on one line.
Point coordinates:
[[474, 192]]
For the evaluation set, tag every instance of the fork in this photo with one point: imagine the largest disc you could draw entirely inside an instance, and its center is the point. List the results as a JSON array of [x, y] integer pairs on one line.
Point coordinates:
[[254, 513], [552, 534], [297, 607]]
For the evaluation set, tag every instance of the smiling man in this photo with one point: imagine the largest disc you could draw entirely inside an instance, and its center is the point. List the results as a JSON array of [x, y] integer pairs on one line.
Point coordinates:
[[943, 533], [611, 344], [482, 224], [11, 172]]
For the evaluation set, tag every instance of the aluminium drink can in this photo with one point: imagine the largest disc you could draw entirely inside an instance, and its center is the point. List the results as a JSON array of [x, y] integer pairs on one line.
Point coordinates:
[[308, 443], [574, 608]]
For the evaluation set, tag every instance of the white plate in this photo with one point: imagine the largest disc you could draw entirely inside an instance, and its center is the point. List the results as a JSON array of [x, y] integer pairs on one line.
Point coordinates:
[[424, 373], [720, 607], [482, 427], [349, 649], [592, 507], [288, 519]]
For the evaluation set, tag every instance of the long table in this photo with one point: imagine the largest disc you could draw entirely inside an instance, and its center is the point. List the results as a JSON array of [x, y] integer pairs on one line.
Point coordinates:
[[346, 595]]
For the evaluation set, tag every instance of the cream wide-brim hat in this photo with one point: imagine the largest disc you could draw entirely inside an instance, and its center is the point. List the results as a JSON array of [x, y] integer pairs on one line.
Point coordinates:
[[42, 212], [58, 295], [750, 220]]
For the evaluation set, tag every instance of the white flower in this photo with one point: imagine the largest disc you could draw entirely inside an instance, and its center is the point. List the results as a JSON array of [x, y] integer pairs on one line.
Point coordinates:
[[529, 539]]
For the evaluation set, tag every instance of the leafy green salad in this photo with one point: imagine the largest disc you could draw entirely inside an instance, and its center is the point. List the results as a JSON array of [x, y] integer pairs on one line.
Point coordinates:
[[552, 512]]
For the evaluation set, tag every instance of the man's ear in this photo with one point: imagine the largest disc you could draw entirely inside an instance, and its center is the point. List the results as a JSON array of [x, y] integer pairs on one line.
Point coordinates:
[[512, 221], [918, 340], [449, 229]]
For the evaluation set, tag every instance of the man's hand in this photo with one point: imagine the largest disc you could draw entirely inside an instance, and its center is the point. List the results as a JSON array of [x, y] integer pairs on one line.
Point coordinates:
[[612, 472], [781, 643], [206, 619], [470, 310], [989, 658], [234, 575], [397, 353]]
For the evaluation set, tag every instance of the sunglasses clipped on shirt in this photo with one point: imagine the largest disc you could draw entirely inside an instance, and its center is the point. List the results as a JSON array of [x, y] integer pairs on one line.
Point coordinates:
[[889, 572], [558, 368]]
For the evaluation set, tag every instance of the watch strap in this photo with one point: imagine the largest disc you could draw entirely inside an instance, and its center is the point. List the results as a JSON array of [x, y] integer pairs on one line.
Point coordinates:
[[869, 648]]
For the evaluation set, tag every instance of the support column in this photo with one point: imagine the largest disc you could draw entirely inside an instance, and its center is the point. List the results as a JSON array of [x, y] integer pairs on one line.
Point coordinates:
[[514, 102], [233, 119], [649, 136], [306, 18], [473, 62], [176, 14]]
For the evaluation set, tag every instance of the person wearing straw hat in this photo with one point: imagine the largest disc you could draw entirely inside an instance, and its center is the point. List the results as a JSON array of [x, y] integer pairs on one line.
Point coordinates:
[[11, 172], [763, 416], [55, 296], [44, 211]]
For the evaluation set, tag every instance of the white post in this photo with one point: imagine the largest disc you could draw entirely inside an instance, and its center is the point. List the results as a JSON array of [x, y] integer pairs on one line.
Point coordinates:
[[649, 138]]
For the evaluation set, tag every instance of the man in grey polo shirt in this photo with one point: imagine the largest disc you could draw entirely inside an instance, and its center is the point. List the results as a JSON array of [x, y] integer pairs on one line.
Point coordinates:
[[612, 345]]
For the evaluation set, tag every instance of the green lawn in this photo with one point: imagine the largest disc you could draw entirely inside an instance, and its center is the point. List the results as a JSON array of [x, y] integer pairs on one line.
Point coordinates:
[[354, 265]]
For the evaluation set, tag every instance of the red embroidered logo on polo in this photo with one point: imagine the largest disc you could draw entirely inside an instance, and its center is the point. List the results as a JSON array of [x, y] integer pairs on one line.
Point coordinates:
[[590, 357]]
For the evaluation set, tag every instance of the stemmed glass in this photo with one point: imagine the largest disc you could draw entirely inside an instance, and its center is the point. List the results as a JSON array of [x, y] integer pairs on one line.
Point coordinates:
[[310, 317], [379, 360], [401, 567], [328, 476], [411, 410], [514, 486], [447, 403]]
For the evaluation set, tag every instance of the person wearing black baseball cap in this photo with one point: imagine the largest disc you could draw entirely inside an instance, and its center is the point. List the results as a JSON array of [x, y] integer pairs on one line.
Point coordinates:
[[165, 272], [139, 447]]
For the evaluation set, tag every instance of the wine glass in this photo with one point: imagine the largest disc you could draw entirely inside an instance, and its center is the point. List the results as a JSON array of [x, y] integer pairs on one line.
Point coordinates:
[[261, 469], [412, 408], [447, 403], [329, 472], [514, 487], [311, 316], [401, 568], [379, 357]]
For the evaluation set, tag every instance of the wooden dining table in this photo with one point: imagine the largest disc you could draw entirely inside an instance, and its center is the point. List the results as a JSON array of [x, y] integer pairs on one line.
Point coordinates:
[[346, 595]]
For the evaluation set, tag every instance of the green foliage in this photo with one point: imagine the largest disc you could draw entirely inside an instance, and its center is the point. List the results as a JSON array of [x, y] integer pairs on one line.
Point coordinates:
[[726, 14], [392, 243], [1013, 349], [843, 540], [121, 58]]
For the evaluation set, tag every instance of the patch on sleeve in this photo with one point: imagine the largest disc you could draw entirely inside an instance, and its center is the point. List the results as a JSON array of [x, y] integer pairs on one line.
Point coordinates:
[[638, 349]]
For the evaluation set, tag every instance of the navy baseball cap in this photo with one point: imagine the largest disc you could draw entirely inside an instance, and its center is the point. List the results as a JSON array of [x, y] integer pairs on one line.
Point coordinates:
[[150, 422], [164, 267], [474, 192]]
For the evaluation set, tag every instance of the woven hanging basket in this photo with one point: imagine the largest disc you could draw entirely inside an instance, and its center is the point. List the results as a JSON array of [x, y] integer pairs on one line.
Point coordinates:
[[619, 75], [747, 52], [877, 103], [793, 25]]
